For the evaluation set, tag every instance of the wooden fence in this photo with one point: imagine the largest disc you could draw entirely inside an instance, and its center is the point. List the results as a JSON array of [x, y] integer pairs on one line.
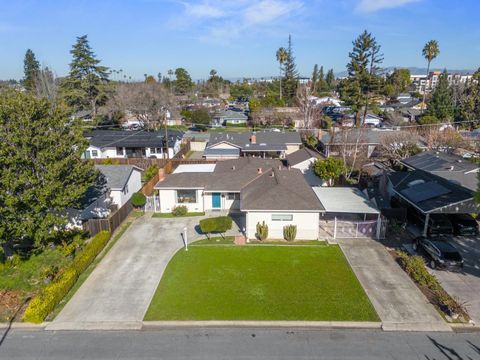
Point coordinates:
[[94, 226], [148, 188]]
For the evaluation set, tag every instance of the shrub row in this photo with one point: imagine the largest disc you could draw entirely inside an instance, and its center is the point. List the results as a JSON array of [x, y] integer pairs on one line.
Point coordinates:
[[217, 224], [44, 303], [180, 210]]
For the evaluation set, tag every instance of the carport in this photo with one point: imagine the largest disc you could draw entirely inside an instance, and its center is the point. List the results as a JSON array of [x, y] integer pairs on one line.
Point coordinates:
[[430, 194], [348, 213]]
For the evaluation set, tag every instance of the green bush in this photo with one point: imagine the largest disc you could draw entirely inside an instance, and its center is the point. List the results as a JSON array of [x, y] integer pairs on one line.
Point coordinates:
[[217, 224], [150, 172], [180, 210], [138, 200], [262, 231], [44, 303], [290, 232], [415, 267], [3, 256]]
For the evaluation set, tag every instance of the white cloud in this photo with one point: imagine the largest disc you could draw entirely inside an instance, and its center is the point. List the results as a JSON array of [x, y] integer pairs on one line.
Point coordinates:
[[375, 5], [223, 20], [204, 10]]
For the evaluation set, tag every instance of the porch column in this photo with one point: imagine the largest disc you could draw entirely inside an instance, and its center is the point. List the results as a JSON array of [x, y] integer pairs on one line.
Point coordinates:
[[379, 226], [425, 227], [335, 228]]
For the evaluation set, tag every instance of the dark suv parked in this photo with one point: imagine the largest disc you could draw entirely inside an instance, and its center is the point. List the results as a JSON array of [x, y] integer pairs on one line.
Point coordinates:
[[438, 224], [440, 252], [464, 225]]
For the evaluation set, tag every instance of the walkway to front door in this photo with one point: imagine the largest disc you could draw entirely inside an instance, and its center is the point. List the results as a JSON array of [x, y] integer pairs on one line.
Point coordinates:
[[216, 201]]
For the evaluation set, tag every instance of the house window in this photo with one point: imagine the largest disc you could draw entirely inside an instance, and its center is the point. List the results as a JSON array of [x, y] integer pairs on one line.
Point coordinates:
[[186, 196], [282, 217], [94, 153], [86, 154], [152, 151], [155, 150], [119, 151], [233, 196]]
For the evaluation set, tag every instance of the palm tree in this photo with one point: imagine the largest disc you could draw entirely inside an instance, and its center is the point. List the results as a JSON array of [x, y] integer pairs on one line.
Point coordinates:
[[430, 51], [213, 73], [281, 58]]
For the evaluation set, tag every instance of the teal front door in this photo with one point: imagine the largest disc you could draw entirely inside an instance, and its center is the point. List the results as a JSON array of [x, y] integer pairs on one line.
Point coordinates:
[[215, 200]]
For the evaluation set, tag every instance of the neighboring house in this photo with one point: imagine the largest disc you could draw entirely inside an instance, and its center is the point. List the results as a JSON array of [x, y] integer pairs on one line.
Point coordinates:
[[114, 186], [451, 167], [122, 181], [131, 144], [372, 120], [84, 115], [271, 144], [366, 141], [303, 160], [430, 194], [229, 117], [263, 190]]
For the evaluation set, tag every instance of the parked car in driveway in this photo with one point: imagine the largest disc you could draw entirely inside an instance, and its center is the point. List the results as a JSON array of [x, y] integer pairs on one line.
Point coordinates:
[[440, 252], [438, 224], [464, 224]]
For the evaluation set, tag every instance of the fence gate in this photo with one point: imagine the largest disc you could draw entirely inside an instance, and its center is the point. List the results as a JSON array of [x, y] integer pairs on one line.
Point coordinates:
[[348, 229], [153, 203]]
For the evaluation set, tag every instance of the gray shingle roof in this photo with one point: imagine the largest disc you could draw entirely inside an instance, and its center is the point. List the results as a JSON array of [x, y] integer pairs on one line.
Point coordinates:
[[302, 155], [116, 175], [448, 166], [284, 189], [271, 139]]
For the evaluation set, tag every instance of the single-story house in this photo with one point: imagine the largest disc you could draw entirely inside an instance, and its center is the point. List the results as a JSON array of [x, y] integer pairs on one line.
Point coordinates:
[[114, 186], [262, 189], [122, 181], [303, 160], [454, 168], [132, 144], [230, 117], [271, 144]]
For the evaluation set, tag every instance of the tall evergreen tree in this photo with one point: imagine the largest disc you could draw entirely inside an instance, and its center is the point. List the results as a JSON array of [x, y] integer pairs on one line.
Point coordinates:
[[364, 80], [441, 104], [290, 75], [314, 79], [321, 80], [330, 79], [31, 68], [41, 173], [87, 85], [469, 109], [183, 82]]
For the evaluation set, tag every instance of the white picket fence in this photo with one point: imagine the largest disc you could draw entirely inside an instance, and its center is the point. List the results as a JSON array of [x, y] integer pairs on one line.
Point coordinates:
[[352, 229]]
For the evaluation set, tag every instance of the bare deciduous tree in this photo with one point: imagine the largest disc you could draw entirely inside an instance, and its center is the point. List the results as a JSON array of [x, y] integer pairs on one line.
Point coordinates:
[[398, 145], [46, 85], [311, 112], [148, 102]]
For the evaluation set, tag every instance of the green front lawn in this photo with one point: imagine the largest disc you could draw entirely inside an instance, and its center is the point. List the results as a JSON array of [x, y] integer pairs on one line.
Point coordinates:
[[260, 283], [170, 215]]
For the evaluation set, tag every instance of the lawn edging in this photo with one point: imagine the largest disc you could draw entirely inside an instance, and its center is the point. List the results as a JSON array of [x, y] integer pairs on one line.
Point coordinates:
[[148, 325], [171, 216]]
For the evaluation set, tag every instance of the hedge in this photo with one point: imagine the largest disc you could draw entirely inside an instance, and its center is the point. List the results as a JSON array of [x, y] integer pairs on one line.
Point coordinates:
[[217, 224], [44, 303]]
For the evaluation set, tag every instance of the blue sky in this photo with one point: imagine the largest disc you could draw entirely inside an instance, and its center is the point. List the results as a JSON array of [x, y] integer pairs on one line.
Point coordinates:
[[237, 38]]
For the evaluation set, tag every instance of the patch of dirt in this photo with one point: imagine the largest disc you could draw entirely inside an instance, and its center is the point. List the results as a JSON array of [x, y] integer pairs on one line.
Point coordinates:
[[12, 305]]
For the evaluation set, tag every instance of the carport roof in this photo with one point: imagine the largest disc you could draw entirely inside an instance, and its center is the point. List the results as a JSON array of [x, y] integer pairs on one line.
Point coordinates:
[[344, 200]]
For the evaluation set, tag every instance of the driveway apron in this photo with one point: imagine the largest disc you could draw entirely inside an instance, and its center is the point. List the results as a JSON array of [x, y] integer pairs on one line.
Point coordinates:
[[118, 292], [397, 300]]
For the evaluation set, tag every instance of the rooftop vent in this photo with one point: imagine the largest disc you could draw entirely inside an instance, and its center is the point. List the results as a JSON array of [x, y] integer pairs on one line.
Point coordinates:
[[451, 168], [259, 170], [415, 182], [233, 167]]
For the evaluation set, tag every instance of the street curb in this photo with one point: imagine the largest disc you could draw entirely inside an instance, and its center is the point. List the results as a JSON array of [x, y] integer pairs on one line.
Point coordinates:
[[23, 326], [149, 325]]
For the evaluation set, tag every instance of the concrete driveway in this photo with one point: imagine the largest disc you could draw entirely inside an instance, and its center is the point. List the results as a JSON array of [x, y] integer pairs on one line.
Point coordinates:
[[397, 300], [119, 290], [465, 285]]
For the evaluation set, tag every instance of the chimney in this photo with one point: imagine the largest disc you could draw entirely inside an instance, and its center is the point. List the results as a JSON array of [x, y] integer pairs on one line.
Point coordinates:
[[259, 170], [253, 139]]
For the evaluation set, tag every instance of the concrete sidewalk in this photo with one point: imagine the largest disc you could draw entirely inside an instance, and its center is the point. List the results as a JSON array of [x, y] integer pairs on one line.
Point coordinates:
[[397, 300]]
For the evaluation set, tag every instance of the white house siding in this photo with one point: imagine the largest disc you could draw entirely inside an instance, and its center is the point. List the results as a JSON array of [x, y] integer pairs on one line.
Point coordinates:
[[307, 224], [134, 184], [168, 201], [225, 204], [292, 148], [197, 145]]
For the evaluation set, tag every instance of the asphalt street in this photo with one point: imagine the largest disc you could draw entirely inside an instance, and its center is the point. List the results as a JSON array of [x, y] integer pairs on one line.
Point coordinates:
[[239, 343]]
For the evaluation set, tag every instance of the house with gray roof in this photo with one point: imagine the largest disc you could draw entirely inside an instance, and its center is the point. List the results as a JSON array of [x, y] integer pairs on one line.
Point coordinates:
[[304, 160], [122, 181], [230, 117], [261, 189], [132, 144], [264, 144]]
